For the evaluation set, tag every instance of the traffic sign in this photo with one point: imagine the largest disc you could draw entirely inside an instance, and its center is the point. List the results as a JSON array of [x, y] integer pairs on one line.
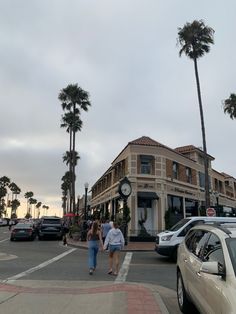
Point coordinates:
[[210, 212]]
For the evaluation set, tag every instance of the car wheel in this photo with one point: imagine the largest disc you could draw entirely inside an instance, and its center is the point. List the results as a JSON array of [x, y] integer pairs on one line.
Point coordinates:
[[40, 238], [11, 239], [184, 304]]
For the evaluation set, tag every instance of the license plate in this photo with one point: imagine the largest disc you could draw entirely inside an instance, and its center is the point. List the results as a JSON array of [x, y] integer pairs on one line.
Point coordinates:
[[22, 231]]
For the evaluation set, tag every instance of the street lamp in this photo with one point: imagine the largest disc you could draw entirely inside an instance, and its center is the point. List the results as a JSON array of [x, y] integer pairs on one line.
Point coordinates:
[[86, 185], [217, 198], [77, 208]]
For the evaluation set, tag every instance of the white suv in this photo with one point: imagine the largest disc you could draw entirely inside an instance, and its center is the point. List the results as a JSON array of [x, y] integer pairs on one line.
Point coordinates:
[[206, 269]]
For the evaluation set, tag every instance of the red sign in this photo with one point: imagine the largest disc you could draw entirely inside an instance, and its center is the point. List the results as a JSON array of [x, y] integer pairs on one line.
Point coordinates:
[[210, 212]]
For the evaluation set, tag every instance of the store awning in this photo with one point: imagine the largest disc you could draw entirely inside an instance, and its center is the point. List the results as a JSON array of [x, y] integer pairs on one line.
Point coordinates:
[[148, 195]]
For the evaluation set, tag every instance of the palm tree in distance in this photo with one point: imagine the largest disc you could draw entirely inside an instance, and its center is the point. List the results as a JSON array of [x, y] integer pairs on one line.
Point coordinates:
[[45, 207], [4, 183], [28, 195], [195, 39], [38, 205], [229, 106], [74, 100], [15, 191], [33, 201]]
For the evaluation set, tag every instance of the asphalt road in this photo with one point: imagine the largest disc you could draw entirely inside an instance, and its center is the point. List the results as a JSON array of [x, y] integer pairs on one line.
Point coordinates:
[[50, 260]]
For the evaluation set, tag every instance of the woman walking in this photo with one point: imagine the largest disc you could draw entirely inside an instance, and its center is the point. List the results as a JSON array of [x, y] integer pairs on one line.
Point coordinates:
[[94, 238], [116, 242]]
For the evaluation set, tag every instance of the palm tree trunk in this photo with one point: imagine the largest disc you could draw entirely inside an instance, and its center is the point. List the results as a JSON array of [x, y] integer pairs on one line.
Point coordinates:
[[73, 163], [207, 194], [70, 198]]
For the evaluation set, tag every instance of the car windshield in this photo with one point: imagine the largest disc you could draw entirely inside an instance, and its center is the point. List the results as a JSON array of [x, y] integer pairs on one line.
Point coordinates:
[[22, 225], [231, 244], [179, 224]]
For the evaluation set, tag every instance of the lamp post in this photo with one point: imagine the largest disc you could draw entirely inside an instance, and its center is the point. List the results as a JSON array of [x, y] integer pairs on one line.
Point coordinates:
[[77, 209], [86, 185], [217, 199]]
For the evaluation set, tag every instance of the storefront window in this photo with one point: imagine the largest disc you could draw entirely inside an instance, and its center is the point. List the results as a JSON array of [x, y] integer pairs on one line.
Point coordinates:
[[175, 209], [191, 207]]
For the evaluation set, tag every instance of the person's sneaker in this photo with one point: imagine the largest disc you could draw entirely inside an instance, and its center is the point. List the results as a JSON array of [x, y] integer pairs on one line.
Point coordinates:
[[90, 272]]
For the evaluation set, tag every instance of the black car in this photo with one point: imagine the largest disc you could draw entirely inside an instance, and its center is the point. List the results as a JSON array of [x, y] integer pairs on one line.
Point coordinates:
[[50, 227], [23, 231]]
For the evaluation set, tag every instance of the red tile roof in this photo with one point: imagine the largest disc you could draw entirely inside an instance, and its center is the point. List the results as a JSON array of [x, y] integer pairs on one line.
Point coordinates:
[[191, 148], [146, 141]]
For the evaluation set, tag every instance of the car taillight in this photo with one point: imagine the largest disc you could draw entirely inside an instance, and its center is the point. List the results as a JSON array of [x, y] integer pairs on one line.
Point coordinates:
[[30, 230]]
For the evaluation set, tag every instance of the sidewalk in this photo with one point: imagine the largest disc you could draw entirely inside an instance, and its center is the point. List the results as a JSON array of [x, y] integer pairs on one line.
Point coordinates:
[[87, 297], [84, 297], [131, 246]]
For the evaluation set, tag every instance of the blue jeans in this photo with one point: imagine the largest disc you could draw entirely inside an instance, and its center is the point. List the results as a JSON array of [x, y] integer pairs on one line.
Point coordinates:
[[93, 246]]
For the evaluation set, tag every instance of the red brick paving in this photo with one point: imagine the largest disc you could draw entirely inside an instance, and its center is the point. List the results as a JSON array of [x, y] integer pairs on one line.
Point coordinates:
[[140, 300]]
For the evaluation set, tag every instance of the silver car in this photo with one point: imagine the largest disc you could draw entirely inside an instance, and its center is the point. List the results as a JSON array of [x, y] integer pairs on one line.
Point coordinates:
[[206, 269]]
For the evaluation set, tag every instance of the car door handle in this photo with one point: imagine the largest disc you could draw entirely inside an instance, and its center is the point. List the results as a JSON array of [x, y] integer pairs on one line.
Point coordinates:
[[198, 274]]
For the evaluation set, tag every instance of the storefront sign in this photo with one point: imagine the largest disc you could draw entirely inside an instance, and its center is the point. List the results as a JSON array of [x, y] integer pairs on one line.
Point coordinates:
[[183, 191]]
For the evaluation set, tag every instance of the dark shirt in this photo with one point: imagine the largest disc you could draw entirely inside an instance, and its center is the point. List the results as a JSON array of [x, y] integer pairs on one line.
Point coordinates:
[[93, 237]]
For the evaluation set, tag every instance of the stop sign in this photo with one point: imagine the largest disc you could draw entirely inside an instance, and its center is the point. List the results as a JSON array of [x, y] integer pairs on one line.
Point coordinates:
[[211, 212]]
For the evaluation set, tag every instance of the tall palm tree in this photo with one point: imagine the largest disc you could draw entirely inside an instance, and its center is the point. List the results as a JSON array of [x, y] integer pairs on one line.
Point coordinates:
[[28, 195], [4, 183], [229, 106], [33, 201], [195, 39], [15, 191], [65, 186], [46, 208], [74, 100], [38, 205], [71, 121], [15, 204]]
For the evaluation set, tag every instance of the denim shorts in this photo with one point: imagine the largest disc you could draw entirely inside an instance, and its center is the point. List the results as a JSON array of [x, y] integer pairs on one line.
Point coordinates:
[[114, 247]]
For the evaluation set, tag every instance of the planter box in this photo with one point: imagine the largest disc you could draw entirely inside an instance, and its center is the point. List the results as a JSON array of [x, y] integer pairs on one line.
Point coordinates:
[[76, 236]]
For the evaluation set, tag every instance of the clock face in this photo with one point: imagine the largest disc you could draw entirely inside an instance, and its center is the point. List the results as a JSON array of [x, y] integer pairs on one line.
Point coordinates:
[[125, 189]]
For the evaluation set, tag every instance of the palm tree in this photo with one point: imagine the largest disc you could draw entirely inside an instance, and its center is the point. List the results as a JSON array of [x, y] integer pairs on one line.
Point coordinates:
[[69, 157], [46, 207], [4, 183], [65, 186], [195, 39], [15, 204], [33, 201], [230, 106], [15, 191], [38, 205], [28, 195], [74, 99]]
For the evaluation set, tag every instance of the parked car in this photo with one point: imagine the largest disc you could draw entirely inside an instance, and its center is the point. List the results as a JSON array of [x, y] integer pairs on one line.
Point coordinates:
[[167, 242], [206, 269], [50, 227], [22, 231], [4, 221]]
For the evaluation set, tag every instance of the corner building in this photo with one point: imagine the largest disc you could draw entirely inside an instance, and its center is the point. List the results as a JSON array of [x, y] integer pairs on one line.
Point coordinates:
[[167, 185]]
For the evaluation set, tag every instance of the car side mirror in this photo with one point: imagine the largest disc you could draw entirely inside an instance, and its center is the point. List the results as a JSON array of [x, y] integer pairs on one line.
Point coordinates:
[[213, 268]]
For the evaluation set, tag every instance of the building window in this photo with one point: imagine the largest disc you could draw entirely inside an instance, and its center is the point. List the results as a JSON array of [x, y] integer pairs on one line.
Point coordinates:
[[191, 207], [146, 164], [189, 175], [175, 209], [175, 168], [202, 179]]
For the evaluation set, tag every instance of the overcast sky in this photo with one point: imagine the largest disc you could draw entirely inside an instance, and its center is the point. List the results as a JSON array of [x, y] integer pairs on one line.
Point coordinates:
[[125, 54]]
